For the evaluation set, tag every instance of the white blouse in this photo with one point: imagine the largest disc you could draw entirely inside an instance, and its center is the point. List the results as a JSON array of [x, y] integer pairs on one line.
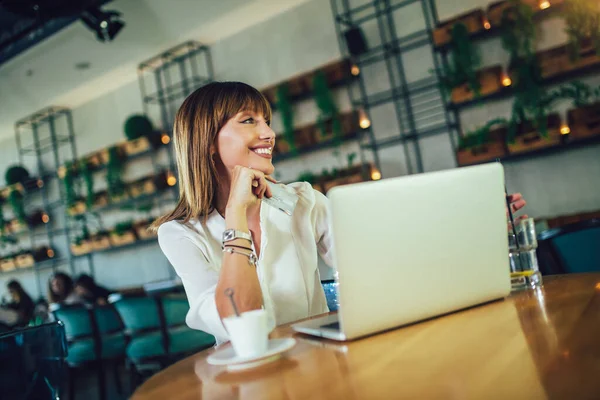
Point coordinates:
[[287, 267]]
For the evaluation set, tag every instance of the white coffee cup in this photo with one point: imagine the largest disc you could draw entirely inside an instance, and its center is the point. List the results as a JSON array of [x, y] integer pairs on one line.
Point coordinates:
[[249, 333]]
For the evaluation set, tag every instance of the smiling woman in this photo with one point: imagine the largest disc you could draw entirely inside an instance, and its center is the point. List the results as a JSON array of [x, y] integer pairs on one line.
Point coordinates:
[[221, 235]]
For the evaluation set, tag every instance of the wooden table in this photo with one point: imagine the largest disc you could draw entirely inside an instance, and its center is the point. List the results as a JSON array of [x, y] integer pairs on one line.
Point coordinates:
[[536, 344]]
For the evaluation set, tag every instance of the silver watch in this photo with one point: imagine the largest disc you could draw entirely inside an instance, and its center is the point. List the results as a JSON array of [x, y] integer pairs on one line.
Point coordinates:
[[232, 234]]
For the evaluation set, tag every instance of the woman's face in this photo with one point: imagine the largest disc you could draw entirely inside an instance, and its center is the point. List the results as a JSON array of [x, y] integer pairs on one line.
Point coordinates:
[[247, 140], [14, 295], [58, 286]]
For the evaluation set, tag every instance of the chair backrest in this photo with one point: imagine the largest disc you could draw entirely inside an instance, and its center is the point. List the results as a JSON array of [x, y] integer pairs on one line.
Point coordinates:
[[32, 362], [137, 313], [107, 319], [572, 248], [77, 320], [175, 308]]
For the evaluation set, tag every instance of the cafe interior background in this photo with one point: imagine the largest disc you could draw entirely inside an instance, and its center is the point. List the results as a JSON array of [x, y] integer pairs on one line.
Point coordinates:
[[362, 90]]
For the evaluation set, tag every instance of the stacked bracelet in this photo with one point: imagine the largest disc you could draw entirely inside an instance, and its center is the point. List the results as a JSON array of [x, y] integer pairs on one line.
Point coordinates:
[[251, 256]]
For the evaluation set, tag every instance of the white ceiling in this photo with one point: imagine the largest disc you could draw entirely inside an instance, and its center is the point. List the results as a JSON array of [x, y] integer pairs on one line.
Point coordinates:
[[46, 74]]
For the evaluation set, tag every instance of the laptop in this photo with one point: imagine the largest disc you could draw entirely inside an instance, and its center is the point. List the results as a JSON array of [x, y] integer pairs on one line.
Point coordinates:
[[411, 248]]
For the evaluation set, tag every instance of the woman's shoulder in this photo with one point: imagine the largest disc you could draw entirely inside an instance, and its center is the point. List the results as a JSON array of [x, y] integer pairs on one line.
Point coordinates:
[[175, 230]]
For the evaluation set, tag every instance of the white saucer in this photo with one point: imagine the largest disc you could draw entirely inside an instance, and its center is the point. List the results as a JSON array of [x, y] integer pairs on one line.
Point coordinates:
[[234, 363]]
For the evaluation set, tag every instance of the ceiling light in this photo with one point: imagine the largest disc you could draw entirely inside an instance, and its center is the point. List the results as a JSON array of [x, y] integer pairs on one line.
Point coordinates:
[[106, 24]]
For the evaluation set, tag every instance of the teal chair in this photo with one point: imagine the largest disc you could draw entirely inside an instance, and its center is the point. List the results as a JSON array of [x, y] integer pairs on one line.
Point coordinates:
[[571, 248], [157, 331], [95, 337]]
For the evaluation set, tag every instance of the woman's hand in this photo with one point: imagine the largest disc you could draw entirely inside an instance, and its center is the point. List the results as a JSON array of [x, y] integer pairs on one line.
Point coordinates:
[[247, 187], [516, 203]]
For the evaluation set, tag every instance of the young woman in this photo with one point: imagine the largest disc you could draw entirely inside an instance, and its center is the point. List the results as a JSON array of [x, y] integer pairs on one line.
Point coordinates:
[[60, 290], [21, 305], [221, 235]]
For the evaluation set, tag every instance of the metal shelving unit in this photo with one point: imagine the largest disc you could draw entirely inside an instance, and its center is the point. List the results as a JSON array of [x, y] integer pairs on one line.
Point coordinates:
[[416, 102], [48, 136]]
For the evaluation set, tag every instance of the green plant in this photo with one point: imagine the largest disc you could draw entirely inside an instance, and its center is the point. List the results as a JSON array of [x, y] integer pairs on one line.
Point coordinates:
[[531, 102], [582, 20], [350, 158], [16, 174], [580, 93], [137, 126], [123, 227], [287, 116], [464, 61], [88, 179], [114, 181], [307, 176], [69, 184], [327, 108], [15, 198], [479, 136]]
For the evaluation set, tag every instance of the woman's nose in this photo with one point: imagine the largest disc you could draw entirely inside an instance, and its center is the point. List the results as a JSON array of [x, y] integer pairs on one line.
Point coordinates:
[[267, 133]]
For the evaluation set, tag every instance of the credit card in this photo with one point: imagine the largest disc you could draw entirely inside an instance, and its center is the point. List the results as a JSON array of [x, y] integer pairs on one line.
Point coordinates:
[[281, 199]]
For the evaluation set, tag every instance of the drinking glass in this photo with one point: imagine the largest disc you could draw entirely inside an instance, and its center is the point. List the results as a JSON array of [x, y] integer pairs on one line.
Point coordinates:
[[524, 269]]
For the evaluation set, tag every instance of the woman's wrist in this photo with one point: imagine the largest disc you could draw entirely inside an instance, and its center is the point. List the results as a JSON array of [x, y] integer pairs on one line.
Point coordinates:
[[235, 218]]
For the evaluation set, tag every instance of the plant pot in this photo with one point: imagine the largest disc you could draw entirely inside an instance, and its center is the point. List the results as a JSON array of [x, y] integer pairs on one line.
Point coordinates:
[[100, 242], [100, 199], [121, 239], [528, 139], [79, 207], [24, 260], [584, 121], [490, 81], [8, 264], [119, 197], [473, 20], [136, 146], [84, 247], [142, 232], [494, 148]]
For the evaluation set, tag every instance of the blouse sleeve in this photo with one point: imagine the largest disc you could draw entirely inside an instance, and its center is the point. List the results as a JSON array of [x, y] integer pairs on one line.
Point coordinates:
[[199, 278]]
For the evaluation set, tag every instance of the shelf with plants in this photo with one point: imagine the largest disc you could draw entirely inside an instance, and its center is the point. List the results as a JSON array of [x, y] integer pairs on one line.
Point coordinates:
[[487, 24], [533, 128], [301, 87], [20, 258], [313, 137], [329, 178]]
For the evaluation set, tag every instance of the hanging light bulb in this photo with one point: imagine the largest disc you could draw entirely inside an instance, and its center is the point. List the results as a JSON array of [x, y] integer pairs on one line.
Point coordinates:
[[375, 175], [50, 253], [544, 4], [165, 139], [486, 24], [40, 183], [363, 120], [354, 70], [171, 180], [564, 129], [506, 81], [45, 218]]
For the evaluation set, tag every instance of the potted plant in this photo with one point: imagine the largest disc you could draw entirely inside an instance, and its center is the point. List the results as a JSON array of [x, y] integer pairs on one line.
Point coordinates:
[[329, 126], [483, 143], [100, 240], [582, 24], [122, 234], [24, 259], [82, 243], [532, 136], [287, 142], [140, 134], [7, 263], [472, 20], [114, 180], [583, 121]]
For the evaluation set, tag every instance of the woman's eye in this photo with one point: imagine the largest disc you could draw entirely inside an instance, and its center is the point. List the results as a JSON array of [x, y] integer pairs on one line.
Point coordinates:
[[248, 121]]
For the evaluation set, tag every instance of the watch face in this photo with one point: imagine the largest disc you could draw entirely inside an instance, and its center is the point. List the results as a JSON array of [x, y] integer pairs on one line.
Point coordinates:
[[228, 235]]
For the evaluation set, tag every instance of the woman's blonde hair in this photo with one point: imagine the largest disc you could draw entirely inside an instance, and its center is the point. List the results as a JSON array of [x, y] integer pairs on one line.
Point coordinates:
[[197, 124]]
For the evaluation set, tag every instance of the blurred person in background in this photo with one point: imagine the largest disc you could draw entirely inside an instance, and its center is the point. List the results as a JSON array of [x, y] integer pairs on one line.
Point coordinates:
[[20, 310], [87, 289], [61, 290]]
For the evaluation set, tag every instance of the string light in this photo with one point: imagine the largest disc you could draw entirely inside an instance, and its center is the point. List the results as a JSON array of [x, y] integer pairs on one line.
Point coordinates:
[[363, 120], [354, 70], [45, 218], [565, 130], [506, 81], [544, 4], [375, 175], [40, 183], [50, 253], [486, 24], [165, 139], [171, 180]]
